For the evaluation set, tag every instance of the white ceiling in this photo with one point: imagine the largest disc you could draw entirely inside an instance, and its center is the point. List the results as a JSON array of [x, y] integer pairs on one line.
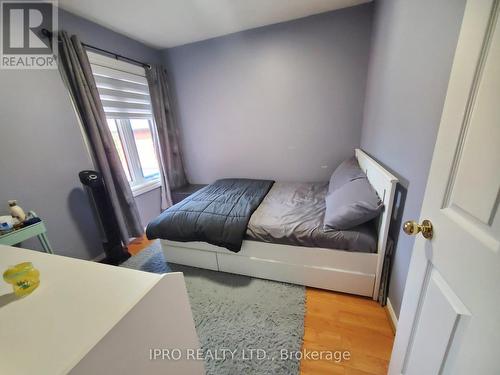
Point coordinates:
[[169, 23]]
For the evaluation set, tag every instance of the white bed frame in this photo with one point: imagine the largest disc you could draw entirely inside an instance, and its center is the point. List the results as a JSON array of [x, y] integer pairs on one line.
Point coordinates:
[[338, 270]]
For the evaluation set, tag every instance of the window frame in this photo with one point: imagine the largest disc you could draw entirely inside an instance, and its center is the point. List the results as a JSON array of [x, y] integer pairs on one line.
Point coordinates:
[[138, 184]]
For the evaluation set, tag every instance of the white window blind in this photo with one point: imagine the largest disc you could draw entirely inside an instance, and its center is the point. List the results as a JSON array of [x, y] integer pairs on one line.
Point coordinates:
[[124, 93], [122, 87]]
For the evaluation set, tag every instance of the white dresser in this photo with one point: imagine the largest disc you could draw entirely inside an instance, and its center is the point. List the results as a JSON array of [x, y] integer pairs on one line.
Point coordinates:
[[91, 318]]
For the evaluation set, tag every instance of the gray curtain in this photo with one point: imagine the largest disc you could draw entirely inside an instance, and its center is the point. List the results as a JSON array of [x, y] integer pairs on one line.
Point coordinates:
[[168, 150], [77, 74]]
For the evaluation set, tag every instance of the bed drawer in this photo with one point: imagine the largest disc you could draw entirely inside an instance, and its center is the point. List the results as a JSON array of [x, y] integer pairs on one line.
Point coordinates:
[[191, 257], [314, 276]]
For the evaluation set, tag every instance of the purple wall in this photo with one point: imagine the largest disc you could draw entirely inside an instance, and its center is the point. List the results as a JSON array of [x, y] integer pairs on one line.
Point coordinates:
[[282, 102], [412, 52]]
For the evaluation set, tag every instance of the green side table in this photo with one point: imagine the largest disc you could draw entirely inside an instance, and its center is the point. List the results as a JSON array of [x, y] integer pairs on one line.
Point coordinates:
[[19, 235]]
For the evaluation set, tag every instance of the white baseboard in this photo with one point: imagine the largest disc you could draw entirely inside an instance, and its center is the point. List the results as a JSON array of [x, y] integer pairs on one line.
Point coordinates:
[[392, 314]]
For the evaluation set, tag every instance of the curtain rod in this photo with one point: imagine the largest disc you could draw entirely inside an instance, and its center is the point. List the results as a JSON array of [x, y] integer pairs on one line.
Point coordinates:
[[117, 56]]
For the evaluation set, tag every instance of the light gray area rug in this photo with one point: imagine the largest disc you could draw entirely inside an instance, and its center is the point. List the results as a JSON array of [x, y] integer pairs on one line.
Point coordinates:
[[253, 318]]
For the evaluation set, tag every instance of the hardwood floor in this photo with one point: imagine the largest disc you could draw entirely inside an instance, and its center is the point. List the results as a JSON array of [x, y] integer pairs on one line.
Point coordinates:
[[338, 322], [342, 322], [138, 244]]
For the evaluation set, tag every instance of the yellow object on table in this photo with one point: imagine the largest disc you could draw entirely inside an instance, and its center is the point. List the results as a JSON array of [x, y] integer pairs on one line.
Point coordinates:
[[24, 278]]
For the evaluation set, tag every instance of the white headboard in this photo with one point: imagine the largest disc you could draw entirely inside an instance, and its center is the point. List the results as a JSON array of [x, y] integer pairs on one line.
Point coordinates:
[[384, 184]]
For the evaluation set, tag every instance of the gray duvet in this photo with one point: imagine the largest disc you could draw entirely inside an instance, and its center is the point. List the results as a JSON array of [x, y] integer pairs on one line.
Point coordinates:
[[292, 214], [217, 214]]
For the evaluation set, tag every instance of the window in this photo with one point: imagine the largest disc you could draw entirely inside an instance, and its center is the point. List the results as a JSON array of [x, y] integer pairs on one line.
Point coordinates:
[[124, 94]]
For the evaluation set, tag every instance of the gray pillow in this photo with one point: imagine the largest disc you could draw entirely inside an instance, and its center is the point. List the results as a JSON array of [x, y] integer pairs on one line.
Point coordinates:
[[347, 171], [352, 204]]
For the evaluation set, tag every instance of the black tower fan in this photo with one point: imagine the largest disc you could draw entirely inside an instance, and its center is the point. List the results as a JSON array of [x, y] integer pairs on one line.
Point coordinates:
[[105, 217]]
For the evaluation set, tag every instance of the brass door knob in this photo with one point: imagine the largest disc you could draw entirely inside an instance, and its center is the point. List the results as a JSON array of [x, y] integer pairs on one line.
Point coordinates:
[[412, 228]]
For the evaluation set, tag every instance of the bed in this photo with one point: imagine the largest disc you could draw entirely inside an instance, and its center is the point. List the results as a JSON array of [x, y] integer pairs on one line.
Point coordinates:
[[283, 237]]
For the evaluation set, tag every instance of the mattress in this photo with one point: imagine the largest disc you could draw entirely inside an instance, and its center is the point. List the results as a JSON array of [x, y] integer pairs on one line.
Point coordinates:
[[292, 214]]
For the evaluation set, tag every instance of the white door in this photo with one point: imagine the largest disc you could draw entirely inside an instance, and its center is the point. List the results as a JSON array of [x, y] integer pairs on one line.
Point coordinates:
[[450, 316]]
